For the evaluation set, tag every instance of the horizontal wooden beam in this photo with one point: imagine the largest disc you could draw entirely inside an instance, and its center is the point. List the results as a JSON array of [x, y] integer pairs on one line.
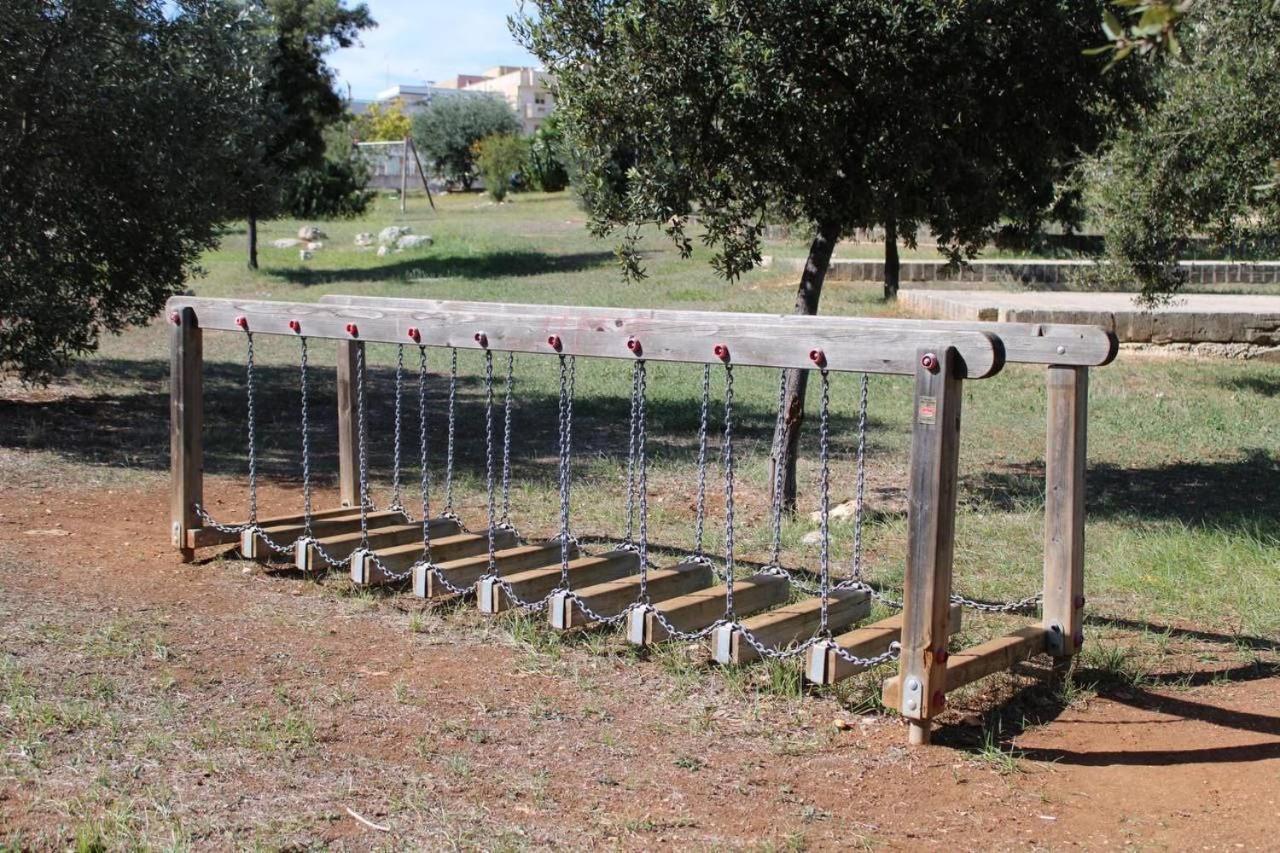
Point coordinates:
[[534, 584], [855, 345], [466, 571], [980, 661], [1025, 343], [204, 537], [697, 610], [824, 666], [787, 625], [612, 597]]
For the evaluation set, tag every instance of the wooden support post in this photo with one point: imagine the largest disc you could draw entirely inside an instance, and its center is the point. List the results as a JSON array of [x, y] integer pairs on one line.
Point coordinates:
[[348, 436], [404, 172], [931, 516], [1064, 475], [186, 424]]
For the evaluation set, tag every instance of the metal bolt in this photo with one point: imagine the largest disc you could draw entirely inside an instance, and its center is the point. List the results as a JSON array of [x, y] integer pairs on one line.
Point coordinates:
[[913, 684], [818, 357], [633, 344], [929, 362], [939, 700], [1061, 350], [553, 341], [721, 351], [912, 704], [482, 339], [243, 322]]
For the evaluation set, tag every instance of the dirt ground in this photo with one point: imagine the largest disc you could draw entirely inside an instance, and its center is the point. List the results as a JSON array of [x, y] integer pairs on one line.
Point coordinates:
[[219, 704]]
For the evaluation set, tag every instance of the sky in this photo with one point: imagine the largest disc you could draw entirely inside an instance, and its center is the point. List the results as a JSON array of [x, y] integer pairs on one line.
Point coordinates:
[[420, 40]]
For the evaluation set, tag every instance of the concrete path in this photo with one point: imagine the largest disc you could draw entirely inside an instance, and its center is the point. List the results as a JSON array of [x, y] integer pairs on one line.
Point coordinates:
[[1192, 318]]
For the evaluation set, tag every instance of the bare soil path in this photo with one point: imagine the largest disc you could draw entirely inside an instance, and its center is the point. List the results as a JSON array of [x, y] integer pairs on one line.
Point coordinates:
[[218, 705]]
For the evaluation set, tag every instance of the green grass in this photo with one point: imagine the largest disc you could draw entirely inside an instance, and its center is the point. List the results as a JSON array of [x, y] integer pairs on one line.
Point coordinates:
[[1184, 514]]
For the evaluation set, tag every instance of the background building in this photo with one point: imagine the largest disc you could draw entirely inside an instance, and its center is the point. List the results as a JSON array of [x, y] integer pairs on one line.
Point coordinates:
[[527, 90]]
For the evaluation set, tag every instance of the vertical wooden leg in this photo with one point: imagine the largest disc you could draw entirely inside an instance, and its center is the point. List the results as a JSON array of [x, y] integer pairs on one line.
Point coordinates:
[[348, 447], [919, 690], [1063, 608], [186, 421], [919, 733]]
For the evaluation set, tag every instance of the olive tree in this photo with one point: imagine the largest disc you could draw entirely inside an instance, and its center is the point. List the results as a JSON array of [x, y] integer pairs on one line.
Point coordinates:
[[957, 115], [447, 130]]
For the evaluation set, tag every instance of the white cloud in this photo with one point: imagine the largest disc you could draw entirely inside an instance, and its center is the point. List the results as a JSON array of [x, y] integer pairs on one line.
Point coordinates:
[[433, 40]]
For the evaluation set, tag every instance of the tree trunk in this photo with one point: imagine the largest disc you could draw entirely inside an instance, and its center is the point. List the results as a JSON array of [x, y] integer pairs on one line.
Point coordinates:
[[892, 269], [787, 434], [253, 239]]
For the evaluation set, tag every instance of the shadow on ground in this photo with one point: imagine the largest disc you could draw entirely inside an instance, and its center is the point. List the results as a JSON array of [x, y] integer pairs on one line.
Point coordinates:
[[506, 264]]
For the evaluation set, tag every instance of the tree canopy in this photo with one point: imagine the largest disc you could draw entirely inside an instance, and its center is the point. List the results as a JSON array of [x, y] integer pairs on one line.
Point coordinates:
[[957, 115], [1204, 156], [118, 123], [447, 130], [381, 123]]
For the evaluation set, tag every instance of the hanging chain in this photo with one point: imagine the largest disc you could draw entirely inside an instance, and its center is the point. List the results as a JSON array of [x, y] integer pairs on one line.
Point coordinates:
[[779, 472], [424, 470], [362, 447], [700, 512], [642, 476], [727, 456], [860, 495], [631, 455], [824, 504], [305, 399], [452, 423], [567, 371], [490, 515], [253, 433], [397, 491], [505, 522]]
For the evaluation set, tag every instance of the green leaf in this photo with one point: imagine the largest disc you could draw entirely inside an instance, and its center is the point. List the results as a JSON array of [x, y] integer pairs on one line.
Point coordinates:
[[1111, 25]]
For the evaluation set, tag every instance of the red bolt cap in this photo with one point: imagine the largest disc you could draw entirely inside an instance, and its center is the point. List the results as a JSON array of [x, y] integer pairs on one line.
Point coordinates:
[[553, 341], [929, 362], [818, 357], [353, 330], [295, 325], [1079, 639], [1079, 602], [633, 344], [722, 352], [175, 318], [242, 321], [941, 656], [482, 339], [939, 700], [414, 335]]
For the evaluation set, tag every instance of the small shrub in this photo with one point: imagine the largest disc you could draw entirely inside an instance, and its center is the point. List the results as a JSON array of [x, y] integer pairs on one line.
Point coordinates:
[[502, 158]]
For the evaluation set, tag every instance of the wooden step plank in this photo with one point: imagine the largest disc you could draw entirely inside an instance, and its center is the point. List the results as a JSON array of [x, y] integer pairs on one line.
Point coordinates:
[[467, 571], [204, 537], [533, 584], [792, 623], [697, 610], [253, 548], [400, 557], [980, 661], [824, 666], [612, 597], [343, 545], [365, 571]]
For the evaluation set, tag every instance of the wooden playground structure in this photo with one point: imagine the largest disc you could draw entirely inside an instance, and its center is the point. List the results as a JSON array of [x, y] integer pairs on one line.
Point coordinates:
[[741, 617]]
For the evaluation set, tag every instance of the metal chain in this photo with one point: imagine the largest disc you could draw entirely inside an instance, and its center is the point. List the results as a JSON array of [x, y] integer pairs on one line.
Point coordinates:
[[727, 456], [700, 516], [397, 491], [305, 402], [253, 434], [642, 476], [362, 449], [631, 456], [824, 504], [452, 422], [505, 522], [567, 371], [490, 515], [860, 494], [424, 470], [779, 472]]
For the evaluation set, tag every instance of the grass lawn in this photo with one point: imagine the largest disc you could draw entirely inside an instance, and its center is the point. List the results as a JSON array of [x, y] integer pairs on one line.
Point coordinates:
[[1183, 537]]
